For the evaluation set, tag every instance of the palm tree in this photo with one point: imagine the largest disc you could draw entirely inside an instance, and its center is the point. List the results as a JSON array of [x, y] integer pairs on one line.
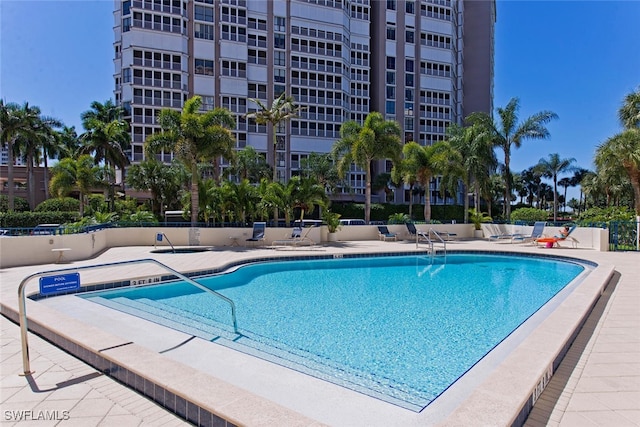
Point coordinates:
[[376, 139], [15, 122], [79, 174], [551, 168], [307, 193], [106, 137], [162, 181], [629, 112], [565, 183], [251, 165], [425, 163], [194, 137], [320, 166], [282, 109], [508, 132], [621, 153], [477, 159], [576, 179]]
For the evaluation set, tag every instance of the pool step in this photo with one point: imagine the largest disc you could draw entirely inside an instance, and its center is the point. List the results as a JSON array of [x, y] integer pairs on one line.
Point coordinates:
[[254, 344]]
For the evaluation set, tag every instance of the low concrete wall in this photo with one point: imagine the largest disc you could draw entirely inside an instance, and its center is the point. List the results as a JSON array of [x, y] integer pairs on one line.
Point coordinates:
[[32, 250]]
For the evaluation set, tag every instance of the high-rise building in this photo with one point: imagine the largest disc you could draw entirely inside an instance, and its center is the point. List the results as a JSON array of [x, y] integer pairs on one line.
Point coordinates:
[[338, 59]]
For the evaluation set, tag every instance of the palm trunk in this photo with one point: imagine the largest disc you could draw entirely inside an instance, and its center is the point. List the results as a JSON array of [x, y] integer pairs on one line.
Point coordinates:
[[427, 201], [11, 192], [367, 195], [555, 198], [31, 187], [507, 184], [46, 176], [195, 202]]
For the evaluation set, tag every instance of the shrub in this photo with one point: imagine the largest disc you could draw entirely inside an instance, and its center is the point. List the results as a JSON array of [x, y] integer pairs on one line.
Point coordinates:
[[613, 213], [19, 204], [59, 204], [529, 215]]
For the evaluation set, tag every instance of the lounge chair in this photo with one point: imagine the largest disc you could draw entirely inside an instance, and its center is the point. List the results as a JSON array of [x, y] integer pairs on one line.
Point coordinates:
[[298, 238], [555, 240], [385, 234], [414, 233], [536, 233], [258, 232]]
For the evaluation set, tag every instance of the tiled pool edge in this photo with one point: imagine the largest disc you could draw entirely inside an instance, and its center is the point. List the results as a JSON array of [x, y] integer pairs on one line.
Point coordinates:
[[194, 396], [539, 374], [493, 402]]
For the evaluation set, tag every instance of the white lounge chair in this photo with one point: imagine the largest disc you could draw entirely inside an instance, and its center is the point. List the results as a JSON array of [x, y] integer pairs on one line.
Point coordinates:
[[298, 238]]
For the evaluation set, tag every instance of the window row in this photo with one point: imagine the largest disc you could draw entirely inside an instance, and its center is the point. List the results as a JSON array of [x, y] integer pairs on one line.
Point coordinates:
[[316, 34], [435, 40], [175, 7], [152, 78], [435, 12], [435, 69], [233, 15], [435, 97], [155, 22], [315, 64], [160, 98], [315, 47], [153, 59], [360, 12]]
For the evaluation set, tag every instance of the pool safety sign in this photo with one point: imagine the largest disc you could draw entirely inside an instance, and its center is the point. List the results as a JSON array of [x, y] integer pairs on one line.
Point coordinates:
[[60, 283]]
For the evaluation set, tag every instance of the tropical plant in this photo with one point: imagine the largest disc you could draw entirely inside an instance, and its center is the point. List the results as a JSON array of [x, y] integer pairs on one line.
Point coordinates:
[[106, 137], [399, 218], [80, 175], [529, 215], [307, 193], [551, 168], [142, 217], [251, 165], [565, 183], [282, 109], [332, 219], [424, 163], [59, 204], [629, 112], [508, 132], [478, 217], [476, 159], [193, 136], [321, 167], [164, 182]]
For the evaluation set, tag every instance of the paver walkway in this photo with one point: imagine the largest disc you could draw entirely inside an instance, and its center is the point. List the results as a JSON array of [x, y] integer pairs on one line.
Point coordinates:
[[65, 391]]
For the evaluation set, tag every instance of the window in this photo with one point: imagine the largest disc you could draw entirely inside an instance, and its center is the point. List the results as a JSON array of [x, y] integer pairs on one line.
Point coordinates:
[[410, 7], [279, 23], [279, 41], [391, 92], [126, 75], [391, 32], [126, 25], [126, 7], [408, 80], [391, 63], [279, 58], [409, 65], [391, 4], [391, 78], [203, 31], [204, 66], [390, 107], [409, 36], [279, 75], [203, 13]]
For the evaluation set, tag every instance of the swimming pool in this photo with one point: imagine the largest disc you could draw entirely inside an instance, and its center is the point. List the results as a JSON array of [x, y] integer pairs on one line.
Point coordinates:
[[399, 328]]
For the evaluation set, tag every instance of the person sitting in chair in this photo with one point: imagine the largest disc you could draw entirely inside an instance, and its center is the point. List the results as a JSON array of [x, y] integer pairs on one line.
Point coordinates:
[[564, 232]]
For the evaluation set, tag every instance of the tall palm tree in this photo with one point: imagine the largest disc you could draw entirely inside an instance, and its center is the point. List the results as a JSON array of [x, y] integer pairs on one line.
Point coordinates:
[[80, 175], [194, 137], [282, 109], [427, 162], [15, 122], [106, 136], [477, 159], [576, 179], [551, 168], [307, 194], [508, 132], [375, 139]]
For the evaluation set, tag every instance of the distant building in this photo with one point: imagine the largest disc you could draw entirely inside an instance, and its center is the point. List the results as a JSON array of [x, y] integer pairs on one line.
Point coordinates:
[[425, 64]]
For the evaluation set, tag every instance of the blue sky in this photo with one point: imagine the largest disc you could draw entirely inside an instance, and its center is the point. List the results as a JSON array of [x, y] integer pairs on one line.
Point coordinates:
[[576, 58]]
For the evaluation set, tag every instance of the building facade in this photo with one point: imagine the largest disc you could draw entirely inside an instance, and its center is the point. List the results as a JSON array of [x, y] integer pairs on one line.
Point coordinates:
[[338, 59]]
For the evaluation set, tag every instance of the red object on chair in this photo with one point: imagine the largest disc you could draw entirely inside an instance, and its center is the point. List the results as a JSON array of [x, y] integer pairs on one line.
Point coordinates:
[[549, 245]]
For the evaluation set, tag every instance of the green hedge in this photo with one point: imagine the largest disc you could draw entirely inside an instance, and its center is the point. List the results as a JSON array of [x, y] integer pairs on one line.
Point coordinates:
[[20, 204], [31, 219], [382, 212]]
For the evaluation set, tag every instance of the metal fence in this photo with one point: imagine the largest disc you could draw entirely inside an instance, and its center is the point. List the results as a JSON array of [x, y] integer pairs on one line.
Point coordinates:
[[623, 236]]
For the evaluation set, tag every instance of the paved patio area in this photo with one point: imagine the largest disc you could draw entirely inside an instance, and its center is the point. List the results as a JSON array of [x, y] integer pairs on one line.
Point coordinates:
[[598, 382]]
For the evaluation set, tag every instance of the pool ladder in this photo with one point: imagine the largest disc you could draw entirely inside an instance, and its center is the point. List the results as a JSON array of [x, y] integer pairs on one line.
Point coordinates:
[[430, 241]]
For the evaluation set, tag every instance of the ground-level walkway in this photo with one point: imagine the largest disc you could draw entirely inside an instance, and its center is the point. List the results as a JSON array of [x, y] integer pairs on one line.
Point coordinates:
[[597, 384]]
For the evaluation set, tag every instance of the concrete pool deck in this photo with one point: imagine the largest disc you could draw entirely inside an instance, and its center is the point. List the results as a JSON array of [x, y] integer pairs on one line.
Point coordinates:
[[597, 383]]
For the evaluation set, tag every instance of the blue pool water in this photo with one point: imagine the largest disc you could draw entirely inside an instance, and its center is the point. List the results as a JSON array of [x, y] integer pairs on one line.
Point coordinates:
[[400, 328]]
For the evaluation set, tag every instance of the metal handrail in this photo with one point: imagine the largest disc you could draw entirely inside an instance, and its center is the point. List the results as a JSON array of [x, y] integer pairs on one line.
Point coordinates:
[[444, 243], [23, 309]]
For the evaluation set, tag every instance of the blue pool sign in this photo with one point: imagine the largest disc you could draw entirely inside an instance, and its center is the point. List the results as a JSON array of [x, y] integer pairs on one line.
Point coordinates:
[[159, 237], [60, 283]]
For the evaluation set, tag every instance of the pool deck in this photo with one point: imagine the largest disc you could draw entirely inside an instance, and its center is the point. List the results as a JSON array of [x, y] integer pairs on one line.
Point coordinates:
[[597, 383]]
